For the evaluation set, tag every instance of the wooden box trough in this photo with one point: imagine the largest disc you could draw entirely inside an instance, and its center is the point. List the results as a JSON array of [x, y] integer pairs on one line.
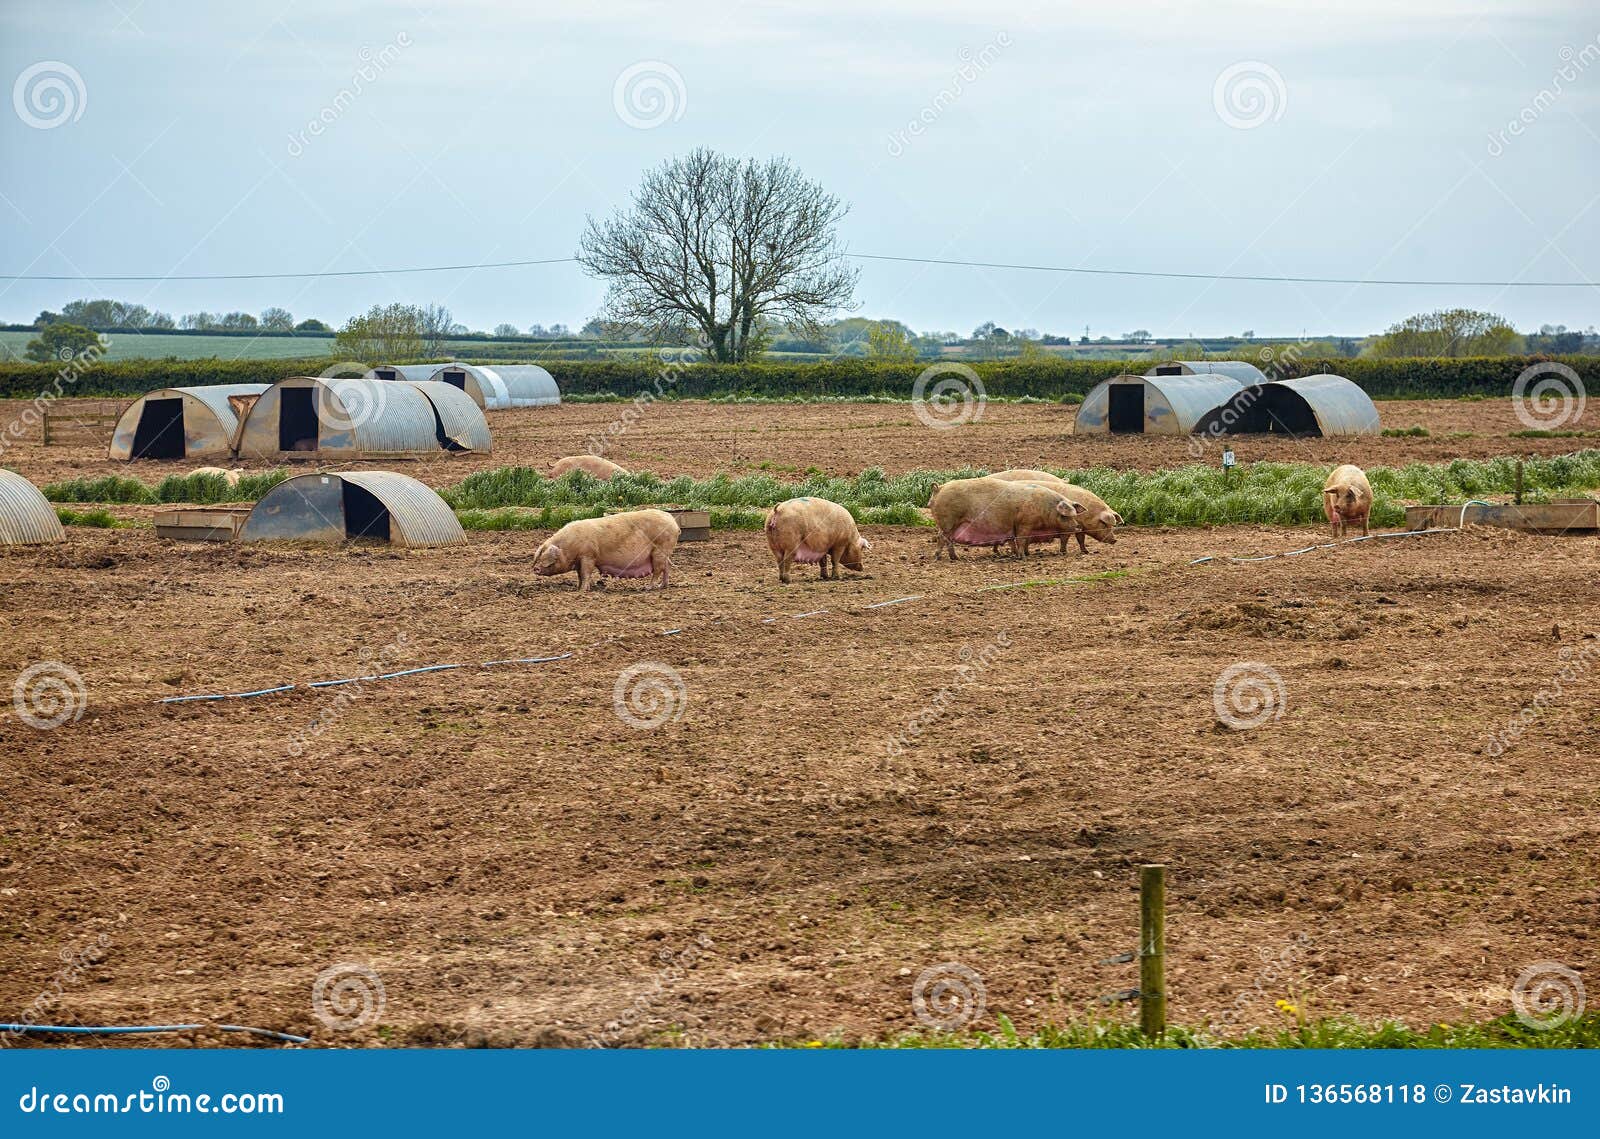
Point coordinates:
[[693, 525], [1577, 515], [196, 524]]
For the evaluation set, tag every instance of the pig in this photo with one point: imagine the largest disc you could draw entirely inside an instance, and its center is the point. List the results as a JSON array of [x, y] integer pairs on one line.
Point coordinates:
[[1347, 498], [229, 477], [602, 469], [1043, 478], [993, 512], [1098, 520], [814, 530], [638, 543]]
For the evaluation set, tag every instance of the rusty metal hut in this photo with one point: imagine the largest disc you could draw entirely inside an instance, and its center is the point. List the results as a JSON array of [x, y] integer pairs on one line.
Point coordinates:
[[182, 423]]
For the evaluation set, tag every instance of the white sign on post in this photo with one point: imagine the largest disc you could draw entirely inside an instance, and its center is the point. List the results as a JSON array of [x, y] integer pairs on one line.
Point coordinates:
[[1227, 458]]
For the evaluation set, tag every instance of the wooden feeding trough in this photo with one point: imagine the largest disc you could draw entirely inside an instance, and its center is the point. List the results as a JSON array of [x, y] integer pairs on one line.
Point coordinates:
[[693, 525], [207, 524], [1565, 517]]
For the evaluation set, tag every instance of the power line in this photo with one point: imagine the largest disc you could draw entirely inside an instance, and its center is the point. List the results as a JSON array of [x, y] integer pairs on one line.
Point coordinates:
[[1146, 273], [290, 276], [1230, 276]]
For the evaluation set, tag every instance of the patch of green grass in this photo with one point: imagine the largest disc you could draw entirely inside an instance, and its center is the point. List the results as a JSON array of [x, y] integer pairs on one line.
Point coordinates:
[[1331, 1032], [110, 488], [99, 519], [1271, 493], [514, 518], [1543, 434], [205, 489], [1406, 432]]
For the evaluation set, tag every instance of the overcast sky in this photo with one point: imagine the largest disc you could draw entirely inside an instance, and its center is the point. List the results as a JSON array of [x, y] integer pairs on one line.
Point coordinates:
[[1363, 138]]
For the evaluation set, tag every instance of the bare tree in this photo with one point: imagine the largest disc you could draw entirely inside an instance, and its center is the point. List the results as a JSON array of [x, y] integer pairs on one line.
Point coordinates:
[[716, 246], [435, 325]]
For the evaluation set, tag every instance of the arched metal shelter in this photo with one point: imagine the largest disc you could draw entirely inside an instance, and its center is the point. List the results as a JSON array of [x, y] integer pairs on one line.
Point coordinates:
[[1155, 405], [376, 505], [353, 418], [26, 516], [502, 386], [182, 423], [1304, 406], [1241, 370]]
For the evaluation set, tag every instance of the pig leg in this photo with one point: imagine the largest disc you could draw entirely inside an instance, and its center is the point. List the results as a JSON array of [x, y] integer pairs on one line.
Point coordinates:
[[660, 564], [1083, 546], [1364, 519], [586, 574], [784, 562]]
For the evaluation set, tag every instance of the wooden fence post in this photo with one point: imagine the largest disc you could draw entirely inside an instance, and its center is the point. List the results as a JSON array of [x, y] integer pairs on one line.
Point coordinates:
[[1153, 950]]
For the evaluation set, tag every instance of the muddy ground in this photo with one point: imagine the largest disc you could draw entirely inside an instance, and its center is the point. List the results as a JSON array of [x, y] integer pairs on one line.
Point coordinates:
[[702, 439], [833, 803]]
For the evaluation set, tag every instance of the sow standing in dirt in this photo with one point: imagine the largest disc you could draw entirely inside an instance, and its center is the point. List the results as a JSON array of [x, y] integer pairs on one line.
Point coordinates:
[[814, 530], [1347, 498], [638, 543]]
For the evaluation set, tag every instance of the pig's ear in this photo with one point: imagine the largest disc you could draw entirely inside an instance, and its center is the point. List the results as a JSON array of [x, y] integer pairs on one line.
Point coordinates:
[[1116, 519], [866, 545]]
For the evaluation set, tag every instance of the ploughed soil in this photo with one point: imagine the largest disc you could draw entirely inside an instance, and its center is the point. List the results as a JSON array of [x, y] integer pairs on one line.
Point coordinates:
[[703, 439], [831, 805]]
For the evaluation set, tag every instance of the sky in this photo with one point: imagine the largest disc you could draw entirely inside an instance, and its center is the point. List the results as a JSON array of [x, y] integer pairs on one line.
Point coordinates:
[[1360, 139]]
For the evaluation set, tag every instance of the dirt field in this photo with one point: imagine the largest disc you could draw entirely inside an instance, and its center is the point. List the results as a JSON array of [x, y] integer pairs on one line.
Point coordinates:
[[520, 866], [702, 439]]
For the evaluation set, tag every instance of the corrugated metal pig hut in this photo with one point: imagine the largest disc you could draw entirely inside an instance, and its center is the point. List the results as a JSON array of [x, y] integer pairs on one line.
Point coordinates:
[[376, 505], [182, 423], [356, 418]]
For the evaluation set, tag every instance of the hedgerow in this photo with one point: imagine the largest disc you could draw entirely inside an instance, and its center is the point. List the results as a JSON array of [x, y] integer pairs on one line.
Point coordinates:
[[1047, 379]]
